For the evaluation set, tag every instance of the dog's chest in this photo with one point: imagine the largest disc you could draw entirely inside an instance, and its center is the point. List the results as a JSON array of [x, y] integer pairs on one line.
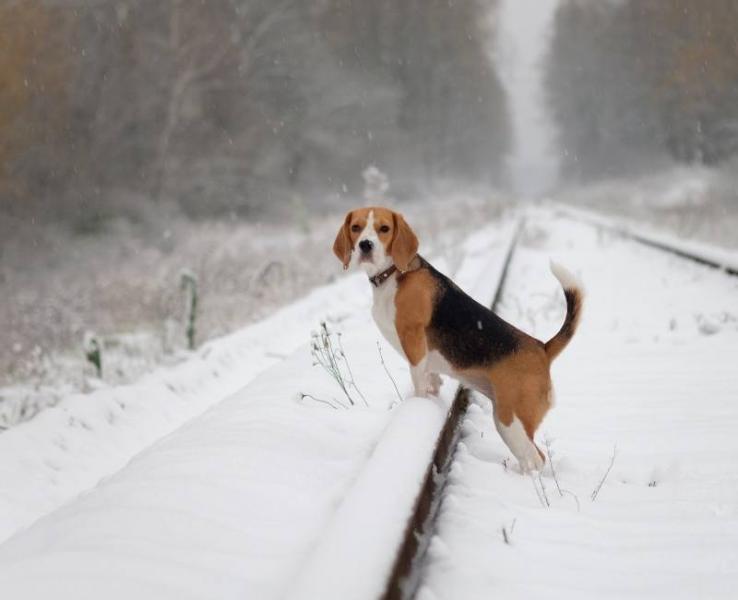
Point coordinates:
[[383, 311]]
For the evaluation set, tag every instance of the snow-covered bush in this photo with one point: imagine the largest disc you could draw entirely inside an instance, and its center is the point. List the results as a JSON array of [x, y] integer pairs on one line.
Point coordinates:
[[93, 351]]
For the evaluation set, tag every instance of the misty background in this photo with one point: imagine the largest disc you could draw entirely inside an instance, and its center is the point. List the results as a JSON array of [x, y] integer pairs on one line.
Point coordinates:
[[226, 137]]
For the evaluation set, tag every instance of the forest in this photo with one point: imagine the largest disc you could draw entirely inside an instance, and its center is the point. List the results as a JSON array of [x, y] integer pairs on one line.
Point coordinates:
[[636, 80], [233, 107], [228, 107]]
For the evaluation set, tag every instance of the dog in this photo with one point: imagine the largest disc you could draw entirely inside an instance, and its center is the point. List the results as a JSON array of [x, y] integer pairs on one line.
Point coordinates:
[[440, 330]]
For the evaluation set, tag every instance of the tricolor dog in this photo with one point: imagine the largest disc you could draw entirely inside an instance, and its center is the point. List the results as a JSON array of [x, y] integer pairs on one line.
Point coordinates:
[[442, 331]]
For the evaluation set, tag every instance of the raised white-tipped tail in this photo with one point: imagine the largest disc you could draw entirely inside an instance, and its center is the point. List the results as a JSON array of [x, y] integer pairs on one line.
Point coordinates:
[[566, 278], [574, 295]]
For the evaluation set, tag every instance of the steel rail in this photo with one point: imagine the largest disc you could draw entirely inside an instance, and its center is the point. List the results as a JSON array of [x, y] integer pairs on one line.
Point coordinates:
[[652, 240], [404, 578]]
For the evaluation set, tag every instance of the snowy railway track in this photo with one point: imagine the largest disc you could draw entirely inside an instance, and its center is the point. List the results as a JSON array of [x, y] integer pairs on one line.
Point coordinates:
[[404, 578], [269, 497], [260, 495], [693, 251], [407, 576]]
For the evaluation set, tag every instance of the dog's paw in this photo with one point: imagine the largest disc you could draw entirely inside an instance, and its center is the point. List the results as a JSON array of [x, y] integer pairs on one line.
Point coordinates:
[[434, 384], [530, 463]]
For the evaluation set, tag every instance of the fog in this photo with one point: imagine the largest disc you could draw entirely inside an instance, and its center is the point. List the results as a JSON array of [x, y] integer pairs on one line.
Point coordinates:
[[140, 138], [524, 36], [252, 109]]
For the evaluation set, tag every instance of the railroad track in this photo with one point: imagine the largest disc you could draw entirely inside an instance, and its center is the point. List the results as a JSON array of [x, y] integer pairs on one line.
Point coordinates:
[[666, 243], [375, 542], [404, 578]]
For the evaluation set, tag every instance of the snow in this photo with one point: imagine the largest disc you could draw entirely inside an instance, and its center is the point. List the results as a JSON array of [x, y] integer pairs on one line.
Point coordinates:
[[372, 523], [222, 508], [645, 378], [70, 447], [219, 479], [234, 502]]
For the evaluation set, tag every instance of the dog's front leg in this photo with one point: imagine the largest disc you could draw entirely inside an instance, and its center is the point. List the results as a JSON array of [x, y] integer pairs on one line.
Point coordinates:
[[415, 347], [421, 379]]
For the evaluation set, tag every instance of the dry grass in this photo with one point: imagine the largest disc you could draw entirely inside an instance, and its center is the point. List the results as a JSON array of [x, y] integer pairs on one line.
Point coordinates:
[[123, 283]]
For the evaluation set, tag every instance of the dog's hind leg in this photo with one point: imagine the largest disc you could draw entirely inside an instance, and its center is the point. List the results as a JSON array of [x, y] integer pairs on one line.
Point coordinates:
[[522, 447], [517, 430]]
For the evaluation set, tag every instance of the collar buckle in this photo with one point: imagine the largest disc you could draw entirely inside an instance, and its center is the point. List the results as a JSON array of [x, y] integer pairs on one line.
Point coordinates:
[[380, 278]]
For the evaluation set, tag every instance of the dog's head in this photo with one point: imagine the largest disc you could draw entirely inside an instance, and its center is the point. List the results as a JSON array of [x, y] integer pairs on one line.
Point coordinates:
[[374, 238]]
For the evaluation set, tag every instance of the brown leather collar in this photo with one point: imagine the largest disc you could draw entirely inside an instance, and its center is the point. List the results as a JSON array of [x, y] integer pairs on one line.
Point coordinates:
[[380, 278]]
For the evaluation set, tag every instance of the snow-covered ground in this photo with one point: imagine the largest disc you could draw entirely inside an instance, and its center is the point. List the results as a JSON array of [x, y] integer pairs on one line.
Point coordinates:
[[68, 448], [233, 503], [165, 489], [84, 437], [651, 377]]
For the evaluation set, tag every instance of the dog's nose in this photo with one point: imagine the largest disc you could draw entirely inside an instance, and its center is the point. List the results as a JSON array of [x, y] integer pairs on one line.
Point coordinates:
[[366, 246]]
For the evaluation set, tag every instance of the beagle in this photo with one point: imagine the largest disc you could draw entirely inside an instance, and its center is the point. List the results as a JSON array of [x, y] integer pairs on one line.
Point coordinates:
[[442, 331]]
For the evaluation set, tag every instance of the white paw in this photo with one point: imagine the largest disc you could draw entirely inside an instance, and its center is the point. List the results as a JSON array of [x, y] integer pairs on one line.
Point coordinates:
[[434, 384], [530, 463], [428, 386]]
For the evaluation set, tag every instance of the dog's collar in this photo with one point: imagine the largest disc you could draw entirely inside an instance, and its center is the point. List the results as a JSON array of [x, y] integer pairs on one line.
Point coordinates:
[[380, 278]]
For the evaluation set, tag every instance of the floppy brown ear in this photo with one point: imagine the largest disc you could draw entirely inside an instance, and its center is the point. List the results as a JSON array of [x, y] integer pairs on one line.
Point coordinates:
[[405, 243], [342, 246]]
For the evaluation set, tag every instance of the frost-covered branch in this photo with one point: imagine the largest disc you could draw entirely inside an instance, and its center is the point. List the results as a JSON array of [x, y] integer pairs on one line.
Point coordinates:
[[327, 352], [386, 370], [596, 491]]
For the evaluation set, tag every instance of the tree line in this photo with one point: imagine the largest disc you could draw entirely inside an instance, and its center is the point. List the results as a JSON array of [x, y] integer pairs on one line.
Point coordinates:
[[233, 106], [630, 79]]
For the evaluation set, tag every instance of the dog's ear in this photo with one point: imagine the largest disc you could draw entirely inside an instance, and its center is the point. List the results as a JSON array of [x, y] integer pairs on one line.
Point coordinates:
[[404, 244], [342, 246]]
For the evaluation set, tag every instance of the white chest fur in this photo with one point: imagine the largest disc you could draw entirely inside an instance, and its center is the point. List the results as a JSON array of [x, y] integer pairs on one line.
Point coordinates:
[[383, 311]]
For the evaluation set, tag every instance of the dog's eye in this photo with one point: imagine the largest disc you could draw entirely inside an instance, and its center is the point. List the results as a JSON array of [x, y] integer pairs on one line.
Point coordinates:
[[384, 229], [355, 228]]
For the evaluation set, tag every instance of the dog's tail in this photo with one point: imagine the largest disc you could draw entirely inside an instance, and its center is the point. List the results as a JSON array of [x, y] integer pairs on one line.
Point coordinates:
[[574, 294]]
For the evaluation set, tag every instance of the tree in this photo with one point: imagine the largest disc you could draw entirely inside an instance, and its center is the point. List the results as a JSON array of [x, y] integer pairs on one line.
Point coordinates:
[[33, 99], [633, 79], [223, 107]]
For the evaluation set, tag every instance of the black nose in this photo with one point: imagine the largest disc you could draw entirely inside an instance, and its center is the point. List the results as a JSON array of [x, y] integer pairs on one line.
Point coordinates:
[[366, 246]]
